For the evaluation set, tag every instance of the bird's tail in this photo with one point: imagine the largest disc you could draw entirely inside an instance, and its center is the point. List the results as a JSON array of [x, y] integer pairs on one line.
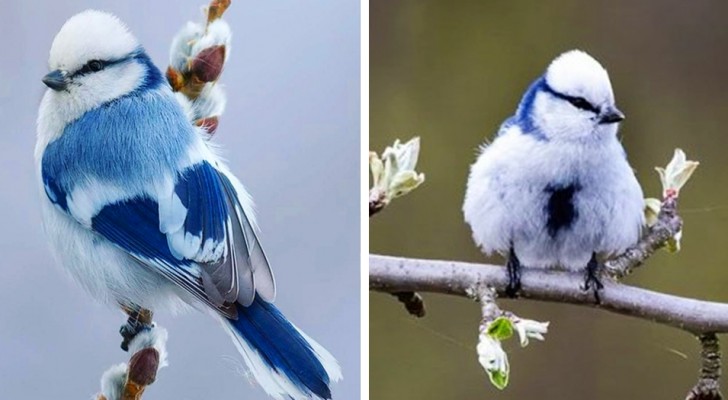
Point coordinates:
[[286, 363]]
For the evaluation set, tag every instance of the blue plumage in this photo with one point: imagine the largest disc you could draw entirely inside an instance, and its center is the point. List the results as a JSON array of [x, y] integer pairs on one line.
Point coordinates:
[[153, 77], [282, 347], [134, 226], [54, 192], [202, 194], [109, 142], [524, 113]]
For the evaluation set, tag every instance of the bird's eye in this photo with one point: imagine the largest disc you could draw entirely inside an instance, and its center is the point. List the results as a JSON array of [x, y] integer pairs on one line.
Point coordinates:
[[95, 65], [582, 103], [91, 66]]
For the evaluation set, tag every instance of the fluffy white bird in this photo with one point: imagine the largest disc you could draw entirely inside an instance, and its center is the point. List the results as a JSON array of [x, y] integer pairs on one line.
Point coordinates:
[[142, 212], [554, 189]]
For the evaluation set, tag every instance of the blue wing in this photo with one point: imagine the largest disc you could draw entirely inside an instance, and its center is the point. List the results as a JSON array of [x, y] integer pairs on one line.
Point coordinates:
[[195, 233]]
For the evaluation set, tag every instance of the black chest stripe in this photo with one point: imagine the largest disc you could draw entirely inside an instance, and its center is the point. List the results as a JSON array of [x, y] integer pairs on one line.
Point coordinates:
[[560, 207]]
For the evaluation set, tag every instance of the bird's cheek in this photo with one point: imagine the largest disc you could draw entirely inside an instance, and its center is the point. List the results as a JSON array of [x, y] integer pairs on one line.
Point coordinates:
[[606, 130]]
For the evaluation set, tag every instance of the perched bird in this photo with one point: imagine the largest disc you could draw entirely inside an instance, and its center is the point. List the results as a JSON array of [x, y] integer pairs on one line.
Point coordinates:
[[554, 189], [144, 214]]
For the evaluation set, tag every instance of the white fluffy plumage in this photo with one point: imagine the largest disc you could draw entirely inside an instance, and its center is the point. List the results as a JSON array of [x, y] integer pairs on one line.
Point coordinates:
[[555, 186]]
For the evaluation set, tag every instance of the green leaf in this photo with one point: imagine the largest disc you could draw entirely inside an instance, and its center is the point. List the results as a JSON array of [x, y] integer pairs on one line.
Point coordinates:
[[500, 329], [499, 379]]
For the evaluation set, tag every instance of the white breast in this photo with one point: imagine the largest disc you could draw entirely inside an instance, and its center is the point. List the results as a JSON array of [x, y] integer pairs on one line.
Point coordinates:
[[505, 202]]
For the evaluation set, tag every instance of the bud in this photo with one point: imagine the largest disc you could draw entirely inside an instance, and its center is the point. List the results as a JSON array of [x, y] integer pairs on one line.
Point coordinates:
[[207, 65], [394, 174], [493, 359], [676, 174], [175, 79], [528, 328], [143, 366], [216, 9]]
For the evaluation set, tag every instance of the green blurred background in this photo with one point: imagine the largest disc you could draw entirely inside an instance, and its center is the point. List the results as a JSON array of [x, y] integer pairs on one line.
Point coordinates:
[[450, 72]]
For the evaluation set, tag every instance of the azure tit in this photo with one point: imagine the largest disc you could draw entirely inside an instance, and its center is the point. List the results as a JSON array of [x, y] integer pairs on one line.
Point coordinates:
[[144, 215], [554, 189]]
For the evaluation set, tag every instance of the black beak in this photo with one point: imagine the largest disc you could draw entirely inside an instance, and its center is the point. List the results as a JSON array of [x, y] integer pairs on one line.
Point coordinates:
[[56, 80], [610, 115]]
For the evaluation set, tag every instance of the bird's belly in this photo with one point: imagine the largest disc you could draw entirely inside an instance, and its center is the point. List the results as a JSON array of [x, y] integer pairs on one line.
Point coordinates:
[[107, 273], [569, 249], [569, 234], [553, 209]]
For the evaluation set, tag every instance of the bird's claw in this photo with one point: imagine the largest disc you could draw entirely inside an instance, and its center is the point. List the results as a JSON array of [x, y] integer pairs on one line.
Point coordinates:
[[514, 286], [130, 329], [591, 280], [513, 267]]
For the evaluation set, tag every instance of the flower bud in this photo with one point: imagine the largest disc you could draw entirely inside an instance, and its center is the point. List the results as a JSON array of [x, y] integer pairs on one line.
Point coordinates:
[[207, 65]]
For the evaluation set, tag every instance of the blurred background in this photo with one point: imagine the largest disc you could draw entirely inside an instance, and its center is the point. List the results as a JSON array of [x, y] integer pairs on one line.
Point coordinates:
[[451, 72], [291, 131]]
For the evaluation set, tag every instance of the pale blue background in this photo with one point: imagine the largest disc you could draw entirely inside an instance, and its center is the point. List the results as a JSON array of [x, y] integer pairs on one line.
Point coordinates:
[[291, 133]]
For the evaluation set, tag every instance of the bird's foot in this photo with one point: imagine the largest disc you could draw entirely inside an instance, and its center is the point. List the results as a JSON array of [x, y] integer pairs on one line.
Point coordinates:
[[592, 279], [130, 330], [513, 287], [139, 320], [513, 267]]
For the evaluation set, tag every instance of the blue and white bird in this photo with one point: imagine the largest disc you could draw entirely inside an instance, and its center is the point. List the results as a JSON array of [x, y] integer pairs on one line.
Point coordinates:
[[144, 214], [554, 189]]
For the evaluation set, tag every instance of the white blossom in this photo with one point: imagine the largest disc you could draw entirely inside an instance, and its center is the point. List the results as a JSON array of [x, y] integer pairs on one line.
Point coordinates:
[[530, 329], [493, 359], [676, 174], [394, 174]]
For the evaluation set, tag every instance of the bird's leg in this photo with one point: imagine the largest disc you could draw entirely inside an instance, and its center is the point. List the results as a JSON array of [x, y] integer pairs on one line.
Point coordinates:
[[139, 320], [591, 280], [513, 267]]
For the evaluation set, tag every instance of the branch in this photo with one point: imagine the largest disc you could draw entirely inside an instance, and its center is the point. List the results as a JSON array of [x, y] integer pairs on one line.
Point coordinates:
[[707, 387], [197, 59], [376, 202], [397, 274], [668, 225], [405, 277]]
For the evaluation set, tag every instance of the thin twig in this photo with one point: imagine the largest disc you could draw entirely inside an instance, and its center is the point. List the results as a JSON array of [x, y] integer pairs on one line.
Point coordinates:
[[397, 274], [486, 296], [668, 224], [707, 387], [376, 202]]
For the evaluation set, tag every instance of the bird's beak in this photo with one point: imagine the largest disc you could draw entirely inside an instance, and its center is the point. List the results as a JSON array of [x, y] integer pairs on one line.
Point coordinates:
[[610, 115], [56, 80]]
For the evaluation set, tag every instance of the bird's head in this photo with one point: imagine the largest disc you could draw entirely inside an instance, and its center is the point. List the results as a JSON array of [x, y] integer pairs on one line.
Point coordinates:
[[573, 100], [94, 59]]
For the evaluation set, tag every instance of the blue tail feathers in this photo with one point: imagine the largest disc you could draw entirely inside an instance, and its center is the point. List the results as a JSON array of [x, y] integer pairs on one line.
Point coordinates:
[[283, 359]]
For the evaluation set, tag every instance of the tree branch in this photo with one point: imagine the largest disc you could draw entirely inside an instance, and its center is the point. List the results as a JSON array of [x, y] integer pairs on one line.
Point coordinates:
[[707, 387], [668, 224], [396, 274]]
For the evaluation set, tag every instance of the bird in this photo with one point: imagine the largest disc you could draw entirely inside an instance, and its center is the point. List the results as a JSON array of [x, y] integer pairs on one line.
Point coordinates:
[[554, 189], [144, 214]]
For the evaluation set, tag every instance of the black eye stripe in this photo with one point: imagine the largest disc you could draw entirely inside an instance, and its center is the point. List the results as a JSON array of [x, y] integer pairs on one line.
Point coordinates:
[[581, 103], [576, 101], [97, 65], [91, 66]]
